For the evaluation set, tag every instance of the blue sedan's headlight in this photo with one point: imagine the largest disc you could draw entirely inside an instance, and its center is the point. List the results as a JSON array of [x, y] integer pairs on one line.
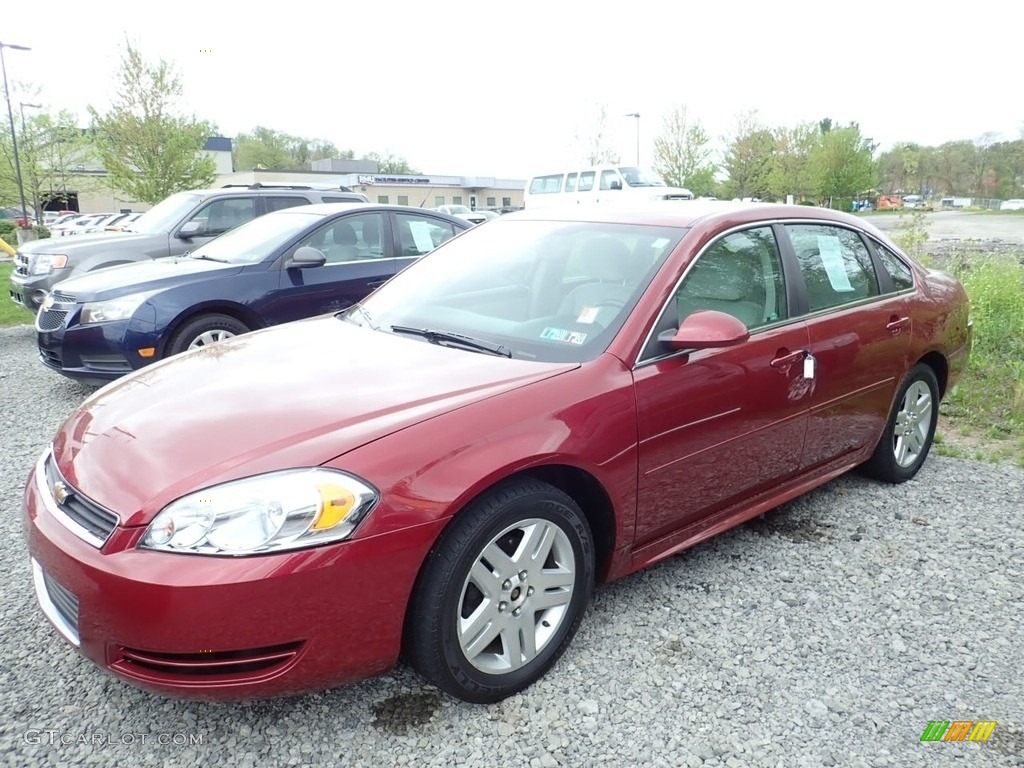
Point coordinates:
[[112, 309], [291, 509]]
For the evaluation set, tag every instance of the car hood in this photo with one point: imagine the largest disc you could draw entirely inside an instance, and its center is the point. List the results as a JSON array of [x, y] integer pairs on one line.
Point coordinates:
[[91, 241], [296, 395], [124, 279]]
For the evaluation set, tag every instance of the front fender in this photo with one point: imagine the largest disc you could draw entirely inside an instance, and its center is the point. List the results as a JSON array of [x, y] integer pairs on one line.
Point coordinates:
[[584, 418]]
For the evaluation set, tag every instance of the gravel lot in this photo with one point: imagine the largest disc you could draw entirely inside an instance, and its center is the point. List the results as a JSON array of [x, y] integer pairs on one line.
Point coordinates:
[[830, 632]]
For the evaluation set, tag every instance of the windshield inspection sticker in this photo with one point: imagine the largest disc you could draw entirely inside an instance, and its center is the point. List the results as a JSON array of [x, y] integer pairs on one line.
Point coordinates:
[[561, 334], [588, 315]]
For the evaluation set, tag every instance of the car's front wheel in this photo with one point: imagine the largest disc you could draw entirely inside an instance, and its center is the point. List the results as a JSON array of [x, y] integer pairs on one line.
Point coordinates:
[[203, 331], [909, 432], [502, 592]]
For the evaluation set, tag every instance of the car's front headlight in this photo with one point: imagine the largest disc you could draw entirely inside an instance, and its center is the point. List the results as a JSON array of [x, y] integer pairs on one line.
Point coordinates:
[[291, 509], [107, 311], [45, 263]]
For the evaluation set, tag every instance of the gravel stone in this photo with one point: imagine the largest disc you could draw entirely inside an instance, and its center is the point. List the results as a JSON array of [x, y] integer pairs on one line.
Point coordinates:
[[784, 642]]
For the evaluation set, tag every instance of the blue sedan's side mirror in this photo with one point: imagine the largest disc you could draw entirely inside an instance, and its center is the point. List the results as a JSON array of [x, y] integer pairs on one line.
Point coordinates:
[[305, 257]]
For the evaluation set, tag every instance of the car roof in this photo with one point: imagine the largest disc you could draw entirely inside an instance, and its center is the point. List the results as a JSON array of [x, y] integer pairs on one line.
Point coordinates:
[[686, 213], [326, 209]]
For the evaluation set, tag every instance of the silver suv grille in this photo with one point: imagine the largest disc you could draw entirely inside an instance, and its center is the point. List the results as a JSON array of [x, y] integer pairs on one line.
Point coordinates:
[[21, 264]]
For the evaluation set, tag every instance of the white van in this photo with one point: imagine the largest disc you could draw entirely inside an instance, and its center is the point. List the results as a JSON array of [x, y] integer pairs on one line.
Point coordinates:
[[600, 184]]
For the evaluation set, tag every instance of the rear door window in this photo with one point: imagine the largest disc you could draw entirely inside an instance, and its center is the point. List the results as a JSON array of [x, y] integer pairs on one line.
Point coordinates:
[[835, 263]]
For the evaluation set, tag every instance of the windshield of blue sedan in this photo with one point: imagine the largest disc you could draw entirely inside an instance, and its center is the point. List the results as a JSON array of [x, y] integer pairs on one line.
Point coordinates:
[[552, 291], [255, 240]]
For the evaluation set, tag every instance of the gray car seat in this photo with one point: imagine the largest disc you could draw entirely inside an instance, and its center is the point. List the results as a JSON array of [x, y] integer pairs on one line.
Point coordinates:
[[607, 262]]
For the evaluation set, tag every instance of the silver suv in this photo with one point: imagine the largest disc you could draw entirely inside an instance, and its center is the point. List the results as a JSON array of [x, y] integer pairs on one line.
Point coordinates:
[[180, 223]]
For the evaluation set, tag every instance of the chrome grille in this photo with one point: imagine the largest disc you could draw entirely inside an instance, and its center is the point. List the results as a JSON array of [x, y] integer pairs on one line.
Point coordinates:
[[96, 521], [21, 264], [65, 602], [51, 319], [59, 604], [63, 298]]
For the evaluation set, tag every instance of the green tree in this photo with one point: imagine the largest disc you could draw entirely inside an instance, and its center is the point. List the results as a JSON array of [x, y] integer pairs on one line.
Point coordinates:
[[683, 155], [389, 163], [748, 159], [1008, 163], [50, 148], [594, 143], [267, 148], [148, 149], [952, 166], [790, 171], [843, 163]]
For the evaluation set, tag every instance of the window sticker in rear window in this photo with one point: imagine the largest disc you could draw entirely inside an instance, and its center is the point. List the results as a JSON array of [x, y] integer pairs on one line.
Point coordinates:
[[831, 251]]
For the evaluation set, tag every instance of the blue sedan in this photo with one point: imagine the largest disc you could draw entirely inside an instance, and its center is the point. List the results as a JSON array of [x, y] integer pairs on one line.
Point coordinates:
[[287, 265]]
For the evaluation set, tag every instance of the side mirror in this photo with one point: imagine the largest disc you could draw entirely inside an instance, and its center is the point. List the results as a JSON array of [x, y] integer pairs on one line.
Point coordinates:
[[305, 257], [191, 229], [616, 184], [706, 329]]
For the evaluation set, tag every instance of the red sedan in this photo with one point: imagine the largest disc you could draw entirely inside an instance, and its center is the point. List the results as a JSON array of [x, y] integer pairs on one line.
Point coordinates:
[[446, 470]]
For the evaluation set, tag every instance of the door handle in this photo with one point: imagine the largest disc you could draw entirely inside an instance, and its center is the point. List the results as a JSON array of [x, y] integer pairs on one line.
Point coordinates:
[[897, 324], [784, 359], [376, 283]]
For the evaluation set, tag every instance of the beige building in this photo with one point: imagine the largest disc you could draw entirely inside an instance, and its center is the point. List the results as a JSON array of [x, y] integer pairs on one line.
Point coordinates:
[[420, 191]]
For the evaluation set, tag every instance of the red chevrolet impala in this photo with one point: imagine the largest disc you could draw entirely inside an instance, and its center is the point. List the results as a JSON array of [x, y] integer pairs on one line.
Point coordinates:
[[445, 470]]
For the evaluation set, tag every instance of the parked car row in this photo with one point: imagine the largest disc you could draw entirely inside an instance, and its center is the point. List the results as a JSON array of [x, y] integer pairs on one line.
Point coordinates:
[[478, 216], [180, 223], [445, 468], [286, 265]]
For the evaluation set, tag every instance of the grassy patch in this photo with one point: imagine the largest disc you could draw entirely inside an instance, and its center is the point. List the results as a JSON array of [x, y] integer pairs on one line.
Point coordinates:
[[986, 408], [10, 313]]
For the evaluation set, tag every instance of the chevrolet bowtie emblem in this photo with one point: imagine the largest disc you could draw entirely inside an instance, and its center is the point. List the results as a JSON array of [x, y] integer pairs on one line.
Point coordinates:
[[60, 492]]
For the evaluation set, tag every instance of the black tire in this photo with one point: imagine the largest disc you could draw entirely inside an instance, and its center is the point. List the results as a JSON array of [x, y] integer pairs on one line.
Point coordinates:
[[530, 601], [193, 331], [909, 432]]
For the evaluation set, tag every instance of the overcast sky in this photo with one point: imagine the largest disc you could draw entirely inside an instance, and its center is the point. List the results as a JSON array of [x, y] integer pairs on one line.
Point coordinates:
[[508, 89]]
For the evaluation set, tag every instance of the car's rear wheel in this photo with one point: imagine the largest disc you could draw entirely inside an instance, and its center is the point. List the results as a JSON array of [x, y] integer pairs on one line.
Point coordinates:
[[908, 434], [502, 593], [203, 331]]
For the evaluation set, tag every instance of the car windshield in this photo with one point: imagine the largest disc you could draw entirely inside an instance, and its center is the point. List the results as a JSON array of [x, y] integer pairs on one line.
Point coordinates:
[[641, 177], [165, 214], [255, 240], [551, 291]]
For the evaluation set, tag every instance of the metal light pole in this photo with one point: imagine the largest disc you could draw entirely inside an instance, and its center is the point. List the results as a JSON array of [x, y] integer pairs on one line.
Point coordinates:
[[35, 181], [637, 116], [14, 138]]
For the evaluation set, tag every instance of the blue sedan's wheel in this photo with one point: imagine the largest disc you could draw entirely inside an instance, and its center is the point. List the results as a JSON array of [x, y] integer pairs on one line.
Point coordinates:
[[205, 330], [502, 593]]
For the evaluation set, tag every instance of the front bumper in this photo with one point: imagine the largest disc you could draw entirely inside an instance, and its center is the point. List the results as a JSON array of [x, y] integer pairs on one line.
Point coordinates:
[[30, 290], [93, 354], [206, 627]]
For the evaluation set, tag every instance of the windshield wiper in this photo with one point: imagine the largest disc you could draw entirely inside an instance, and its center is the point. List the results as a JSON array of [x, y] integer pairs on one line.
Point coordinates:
[[192, 255], [446, 338]]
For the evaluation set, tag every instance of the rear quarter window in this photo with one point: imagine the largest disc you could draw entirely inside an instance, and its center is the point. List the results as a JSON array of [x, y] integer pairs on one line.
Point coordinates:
[[901, 274]]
